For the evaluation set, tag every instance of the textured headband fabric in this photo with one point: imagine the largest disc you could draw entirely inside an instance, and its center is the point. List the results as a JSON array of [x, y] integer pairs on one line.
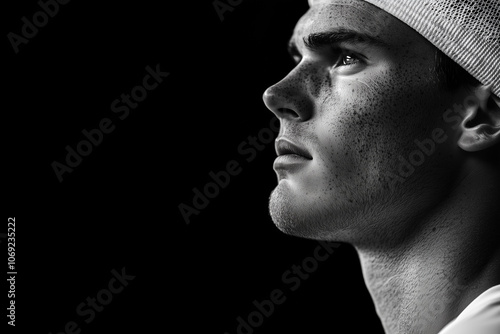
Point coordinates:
[[467, 31]]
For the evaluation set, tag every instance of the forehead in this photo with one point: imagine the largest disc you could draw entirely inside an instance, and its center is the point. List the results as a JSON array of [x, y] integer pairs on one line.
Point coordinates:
[[357, 15]]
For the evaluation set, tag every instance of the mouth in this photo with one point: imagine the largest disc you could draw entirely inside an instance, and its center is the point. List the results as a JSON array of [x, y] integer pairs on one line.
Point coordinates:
[[285, 147], [290, 158]]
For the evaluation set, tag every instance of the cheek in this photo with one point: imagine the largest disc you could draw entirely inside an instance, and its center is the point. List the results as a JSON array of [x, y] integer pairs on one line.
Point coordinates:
[[367, 122]]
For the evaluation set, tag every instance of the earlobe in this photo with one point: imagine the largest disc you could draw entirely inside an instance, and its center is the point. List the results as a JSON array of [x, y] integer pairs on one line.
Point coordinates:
[[481, 124]]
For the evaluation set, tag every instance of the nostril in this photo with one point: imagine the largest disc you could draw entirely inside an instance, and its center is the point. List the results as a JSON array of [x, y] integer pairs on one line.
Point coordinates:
[[288, 113]]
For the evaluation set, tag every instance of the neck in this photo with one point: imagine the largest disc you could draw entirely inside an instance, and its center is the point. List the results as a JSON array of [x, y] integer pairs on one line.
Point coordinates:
[[422, 284]]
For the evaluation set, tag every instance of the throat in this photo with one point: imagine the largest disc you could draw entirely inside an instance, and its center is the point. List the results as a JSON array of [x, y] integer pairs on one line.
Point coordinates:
[[423, 287], [443, 262], [410, 295]]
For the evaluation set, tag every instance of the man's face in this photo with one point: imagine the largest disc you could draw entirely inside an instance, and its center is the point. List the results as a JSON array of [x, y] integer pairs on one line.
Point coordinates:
[[362, 92]]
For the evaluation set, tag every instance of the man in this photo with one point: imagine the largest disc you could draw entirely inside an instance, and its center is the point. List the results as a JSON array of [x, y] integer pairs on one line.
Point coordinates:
[[389, 141]]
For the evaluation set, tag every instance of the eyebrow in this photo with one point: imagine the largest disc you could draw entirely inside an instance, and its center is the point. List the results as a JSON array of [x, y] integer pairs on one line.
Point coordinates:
[[317, 41]]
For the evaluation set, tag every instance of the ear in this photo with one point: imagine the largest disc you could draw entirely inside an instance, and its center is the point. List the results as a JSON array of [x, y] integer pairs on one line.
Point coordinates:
[[481, 124]]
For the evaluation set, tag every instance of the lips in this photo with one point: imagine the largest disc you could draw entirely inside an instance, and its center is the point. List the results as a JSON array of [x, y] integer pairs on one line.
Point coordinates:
[[286, 147]]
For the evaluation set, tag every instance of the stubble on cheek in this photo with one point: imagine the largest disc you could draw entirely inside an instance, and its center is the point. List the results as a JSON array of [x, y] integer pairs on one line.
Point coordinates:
[[370, 121]]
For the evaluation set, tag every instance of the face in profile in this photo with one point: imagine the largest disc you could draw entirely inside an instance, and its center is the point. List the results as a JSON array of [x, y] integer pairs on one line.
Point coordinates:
[[362, 93]]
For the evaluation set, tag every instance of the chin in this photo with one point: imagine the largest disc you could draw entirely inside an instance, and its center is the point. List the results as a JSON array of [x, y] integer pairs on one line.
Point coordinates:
[[303, 216], [327, 216]]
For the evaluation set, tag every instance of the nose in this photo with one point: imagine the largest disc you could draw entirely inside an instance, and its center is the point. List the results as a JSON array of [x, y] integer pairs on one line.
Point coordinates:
[[288, 99]]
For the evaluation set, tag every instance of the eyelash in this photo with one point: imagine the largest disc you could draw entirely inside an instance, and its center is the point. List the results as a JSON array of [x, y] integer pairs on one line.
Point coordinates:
[[341, 57]]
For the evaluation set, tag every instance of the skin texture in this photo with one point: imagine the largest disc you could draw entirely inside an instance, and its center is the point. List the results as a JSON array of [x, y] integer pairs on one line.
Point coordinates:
[[428, 236]]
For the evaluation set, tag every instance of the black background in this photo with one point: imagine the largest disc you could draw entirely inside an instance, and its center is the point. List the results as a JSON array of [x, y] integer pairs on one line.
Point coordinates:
[[119, 208]]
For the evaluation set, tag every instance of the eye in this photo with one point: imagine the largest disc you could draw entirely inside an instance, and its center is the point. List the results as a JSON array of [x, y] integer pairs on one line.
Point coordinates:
[[348, 60]]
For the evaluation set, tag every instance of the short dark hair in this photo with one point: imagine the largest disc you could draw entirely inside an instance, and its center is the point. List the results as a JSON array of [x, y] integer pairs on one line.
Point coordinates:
[[450, 74]]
